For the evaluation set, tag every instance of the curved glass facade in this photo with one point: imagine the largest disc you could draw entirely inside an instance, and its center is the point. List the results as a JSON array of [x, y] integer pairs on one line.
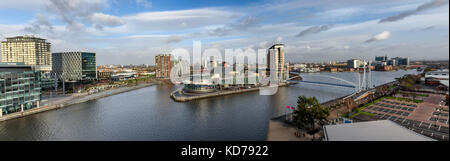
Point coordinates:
[[199, 88]]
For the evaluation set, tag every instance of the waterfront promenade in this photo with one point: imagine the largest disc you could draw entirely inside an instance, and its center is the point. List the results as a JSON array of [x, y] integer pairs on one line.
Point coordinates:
[[67, 100], [281, 130]]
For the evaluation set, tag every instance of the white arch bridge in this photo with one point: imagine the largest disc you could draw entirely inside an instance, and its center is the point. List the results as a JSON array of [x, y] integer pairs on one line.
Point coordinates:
[[364, 83]]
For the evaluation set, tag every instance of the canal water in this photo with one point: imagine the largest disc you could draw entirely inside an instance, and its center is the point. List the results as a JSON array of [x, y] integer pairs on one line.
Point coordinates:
[[150, 114]]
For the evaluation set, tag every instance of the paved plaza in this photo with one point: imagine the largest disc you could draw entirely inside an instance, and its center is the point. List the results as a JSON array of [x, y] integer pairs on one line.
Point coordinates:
[[424, 118]]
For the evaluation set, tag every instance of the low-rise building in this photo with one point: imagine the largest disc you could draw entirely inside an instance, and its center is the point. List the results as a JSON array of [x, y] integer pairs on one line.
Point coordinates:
[[124, 76], [435, 77], [438, 74], [104, 75], [383, 68]]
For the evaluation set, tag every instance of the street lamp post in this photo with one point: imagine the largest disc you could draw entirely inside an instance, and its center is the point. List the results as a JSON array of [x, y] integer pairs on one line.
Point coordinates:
[[439, 112], [63, 84]]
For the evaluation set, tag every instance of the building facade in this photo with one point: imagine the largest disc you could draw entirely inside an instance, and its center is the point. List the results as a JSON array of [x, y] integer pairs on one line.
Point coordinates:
[[381, 58], [392, 62], [275, 60], [31, 50], [104, 75], [402, 61], [355, 63], [75, 66], [19, 88], [437, 77], [163, 64]]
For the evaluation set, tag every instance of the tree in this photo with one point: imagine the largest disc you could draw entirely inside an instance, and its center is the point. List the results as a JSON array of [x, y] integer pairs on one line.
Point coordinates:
[[309, 110], [408, 81]]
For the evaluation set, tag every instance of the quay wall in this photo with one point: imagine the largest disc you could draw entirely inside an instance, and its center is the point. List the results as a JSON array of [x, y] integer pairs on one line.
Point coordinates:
[[185, 98], [281, 129], [75, 99]]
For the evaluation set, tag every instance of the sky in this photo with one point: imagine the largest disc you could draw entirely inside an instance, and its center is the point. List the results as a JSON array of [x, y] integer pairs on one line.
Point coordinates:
[[134, 31]]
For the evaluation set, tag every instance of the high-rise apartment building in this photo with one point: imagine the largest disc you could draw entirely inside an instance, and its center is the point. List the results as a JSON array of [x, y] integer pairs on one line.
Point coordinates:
[[19, 88], [30, 50], [275, 59], [163, 64], [75, 66]]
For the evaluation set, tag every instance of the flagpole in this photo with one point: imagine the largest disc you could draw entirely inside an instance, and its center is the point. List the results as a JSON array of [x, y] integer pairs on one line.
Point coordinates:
[[285, 113]]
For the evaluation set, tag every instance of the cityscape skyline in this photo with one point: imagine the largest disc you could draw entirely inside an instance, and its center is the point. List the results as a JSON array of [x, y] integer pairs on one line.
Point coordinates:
[[214, 70], [134, 32]]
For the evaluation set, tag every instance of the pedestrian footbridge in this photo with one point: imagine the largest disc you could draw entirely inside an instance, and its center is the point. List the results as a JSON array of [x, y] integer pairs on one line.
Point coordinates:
[[348, 83]]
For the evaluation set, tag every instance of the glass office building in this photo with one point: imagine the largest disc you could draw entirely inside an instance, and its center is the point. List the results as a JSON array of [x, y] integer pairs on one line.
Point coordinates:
[[19, 88], [75, 66], [89, 66]]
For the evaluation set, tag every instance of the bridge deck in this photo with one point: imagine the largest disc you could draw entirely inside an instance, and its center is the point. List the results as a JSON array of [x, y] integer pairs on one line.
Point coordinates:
[[323, 83]]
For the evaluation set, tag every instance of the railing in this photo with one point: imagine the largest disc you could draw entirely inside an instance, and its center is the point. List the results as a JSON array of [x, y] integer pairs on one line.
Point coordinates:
[[323, 83]]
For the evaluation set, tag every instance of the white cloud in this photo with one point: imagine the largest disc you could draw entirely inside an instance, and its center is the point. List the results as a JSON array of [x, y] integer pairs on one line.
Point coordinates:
[[101, 19], [426, 6], [145, 3], [379, 37], [137, 37], [179, 19]]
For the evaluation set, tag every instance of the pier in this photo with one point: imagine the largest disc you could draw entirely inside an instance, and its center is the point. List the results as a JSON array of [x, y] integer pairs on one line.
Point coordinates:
[[181, 96]]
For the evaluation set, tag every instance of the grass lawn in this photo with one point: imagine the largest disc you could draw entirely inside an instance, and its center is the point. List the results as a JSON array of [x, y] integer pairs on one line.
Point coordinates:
[[416, 94], [359, 109], [404, 99]]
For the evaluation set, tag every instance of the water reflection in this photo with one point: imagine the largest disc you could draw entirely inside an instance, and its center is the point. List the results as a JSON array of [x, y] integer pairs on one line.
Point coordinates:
[[150, 114]]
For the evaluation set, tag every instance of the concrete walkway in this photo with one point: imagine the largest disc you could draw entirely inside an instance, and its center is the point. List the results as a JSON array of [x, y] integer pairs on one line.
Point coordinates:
[[64, 101], [279, 131]]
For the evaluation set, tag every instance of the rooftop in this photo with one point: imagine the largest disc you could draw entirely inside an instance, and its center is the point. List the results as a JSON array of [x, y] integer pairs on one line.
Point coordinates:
[[444, 82], [23, 38], [72, 52], [381, 130]]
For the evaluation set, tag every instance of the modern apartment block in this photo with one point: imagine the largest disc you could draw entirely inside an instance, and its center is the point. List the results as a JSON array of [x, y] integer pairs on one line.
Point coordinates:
[[75, 66], [397, 61], [355, 63], [163, 64], [275, 59], [402, 61], [381, 58], [19, 88], [30, 50]]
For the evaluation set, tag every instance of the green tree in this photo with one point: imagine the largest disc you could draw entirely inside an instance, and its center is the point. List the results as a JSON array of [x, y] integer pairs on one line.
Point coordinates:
[[309, 111], [408, 81]]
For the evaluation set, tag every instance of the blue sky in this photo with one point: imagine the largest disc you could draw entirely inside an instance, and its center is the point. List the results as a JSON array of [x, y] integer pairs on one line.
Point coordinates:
[[134, 31]]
